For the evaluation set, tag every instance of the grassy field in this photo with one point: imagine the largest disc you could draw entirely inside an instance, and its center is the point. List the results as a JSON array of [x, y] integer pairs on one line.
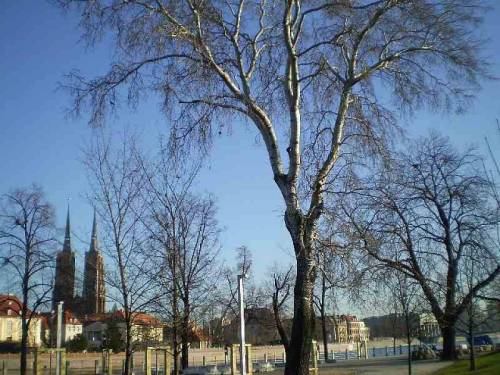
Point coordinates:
[[485, 365]]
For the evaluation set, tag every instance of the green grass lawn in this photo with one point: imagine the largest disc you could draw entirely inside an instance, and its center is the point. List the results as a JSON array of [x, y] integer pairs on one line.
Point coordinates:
[[485, 365]]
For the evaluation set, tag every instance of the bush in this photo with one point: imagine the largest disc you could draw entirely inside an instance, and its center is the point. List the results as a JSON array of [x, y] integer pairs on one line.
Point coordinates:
[[423, 353], [113, 339], [79, 343]]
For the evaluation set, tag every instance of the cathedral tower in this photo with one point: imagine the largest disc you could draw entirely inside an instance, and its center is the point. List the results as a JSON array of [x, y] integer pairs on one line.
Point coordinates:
[[94, 294], [64, 283]]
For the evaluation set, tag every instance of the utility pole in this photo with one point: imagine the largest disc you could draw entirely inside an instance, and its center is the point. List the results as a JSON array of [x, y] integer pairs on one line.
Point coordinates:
[[59, 333], [243, 370]]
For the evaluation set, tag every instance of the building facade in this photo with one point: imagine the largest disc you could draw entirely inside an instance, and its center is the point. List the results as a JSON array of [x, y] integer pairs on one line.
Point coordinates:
[[146, 329], [428, 326], [348, 329], [11, 322], [71, 327]]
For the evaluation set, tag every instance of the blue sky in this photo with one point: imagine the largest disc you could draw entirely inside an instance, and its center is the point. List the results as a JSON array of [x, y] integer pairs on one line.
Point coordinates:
[[39, 44]]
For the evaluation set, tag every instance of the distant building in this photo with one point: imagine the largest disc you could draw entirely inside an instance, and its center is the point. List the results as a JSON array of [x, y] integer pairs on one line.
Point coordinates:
[[260, 327], [94, 329], [428, 326], [348, 329], [94, 292], [216, 330], [146, 329], [198, 336], [86, 314], [11, 322], [64, 283], [391, 325], [93, 300], [71, 327]]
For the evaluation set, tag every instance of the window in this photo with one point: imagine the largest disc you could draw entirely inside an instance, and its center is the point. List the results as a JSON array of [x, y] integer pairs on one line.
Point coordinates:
[[9, 329]]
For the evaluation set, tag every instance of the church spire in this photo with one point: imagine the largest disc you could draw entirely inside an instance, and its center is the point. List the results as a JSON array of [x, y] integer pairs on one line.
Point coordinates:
[[94, 290], [94, 244], [67, 236]]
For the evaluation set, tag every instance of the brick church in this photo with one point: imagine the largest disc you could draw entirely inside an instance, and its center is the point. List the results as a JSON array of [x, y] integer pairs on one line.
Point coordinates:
[[93, 298]]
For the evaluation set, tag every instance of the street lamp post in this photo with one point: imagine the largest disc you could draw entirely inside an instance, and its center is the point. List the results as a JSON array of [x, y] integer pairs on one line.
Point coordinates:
[[243, 370], [58, 337]]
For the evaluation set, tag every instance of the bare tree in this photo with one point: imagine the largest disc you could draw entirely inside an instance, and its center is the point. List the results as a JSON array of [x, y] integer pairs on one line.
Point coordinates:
[[405, 292], [489, 296], [422, 215], [116, 180], [344, 271], [474, 316], [310, 73], [325, 290], [26, 240], [243, 266], [164, 278], [244, 261], [280, 289], [227, 301], [185, 235], [471, 313]]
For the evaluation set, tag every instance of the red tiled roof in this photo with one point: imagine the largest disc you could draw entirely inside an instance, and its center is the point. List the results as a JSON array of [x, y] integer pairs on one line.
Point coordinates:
[[145, 319], [50, 318], [139, 318], [95, 318], [70, 318], [10, 305]]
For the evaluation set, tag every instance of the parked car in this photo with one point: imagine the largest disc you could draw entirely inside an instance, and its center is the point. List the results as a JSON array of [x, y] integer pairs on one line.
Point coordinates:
[[483, 340]]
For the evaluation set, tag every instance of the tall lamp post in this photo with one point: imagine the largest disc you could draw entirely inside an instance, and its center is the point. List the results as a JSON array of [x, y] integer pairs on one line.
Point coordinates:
[[58, 337], [243, 369]]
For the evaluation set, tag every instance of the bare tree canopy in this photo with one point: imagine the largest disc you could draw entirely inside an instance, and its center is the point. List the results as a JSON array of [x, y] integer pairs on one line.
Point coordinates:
[[183, 234], [116, 182], [280, 286], [425, 215], [318, 80], [26, 247]]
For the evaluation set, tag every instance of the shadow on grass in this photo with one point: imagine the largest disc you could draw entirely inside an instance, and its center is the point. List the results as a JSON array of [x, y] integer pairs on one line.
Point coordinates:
[[487, 364]]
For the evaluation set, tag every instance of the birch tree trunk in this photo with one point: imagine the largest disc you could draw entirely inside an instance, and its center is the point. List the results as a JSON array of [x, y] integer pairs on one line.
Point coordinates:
[[323, 317], [24, 329], [299, 350]]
